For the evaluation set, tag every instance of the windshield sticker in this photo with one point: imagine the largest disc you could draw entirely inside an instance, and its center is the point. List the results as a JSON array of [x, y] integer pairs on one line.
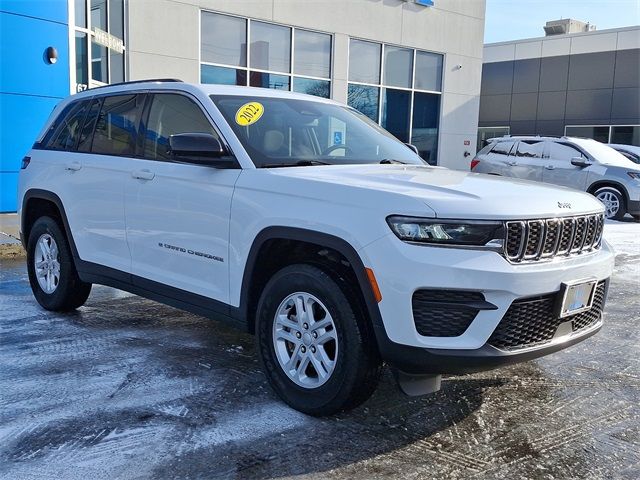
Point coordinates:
[[249, 113]]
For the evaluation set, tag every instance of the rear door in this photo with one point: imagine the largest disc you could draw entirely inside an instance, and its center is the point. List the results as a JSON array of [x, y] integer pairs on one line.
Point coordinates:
[[178, 214], [497, 160], [527, 161], [558, 168], [101, 136]]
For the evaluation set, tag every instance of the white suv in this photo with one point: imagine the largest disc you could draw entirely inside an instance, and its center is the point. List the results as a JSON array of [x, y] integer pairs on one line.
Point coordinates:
[[299, 219]]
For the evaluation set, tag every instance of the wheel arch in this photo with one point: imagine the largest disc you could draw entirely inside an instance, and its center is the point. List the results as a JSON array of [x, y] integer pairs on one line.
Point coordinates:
[[51, 204], [252, 282], [609, 183]]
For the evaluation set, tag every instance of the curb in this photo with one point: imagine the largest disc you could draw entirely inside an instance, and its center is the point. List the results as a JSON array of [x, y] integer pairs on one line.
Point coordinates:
[[12, 250]]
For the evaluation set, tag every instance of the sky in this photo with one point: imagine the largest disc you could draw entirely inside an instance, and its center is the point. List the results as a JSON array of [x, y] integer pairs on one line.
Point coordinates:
[[516, 19]]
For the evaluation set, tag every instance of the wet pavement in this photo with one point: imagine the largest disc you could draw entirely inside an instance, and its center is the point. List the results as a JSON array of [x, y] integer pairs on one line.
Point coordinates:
[[128, 388]]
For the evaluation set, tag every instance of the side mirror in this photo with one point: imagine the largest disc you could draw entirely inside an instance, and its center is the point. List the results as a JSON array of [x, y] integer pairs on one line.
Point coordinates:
[[580, 162], [413, 148], [199, 148]]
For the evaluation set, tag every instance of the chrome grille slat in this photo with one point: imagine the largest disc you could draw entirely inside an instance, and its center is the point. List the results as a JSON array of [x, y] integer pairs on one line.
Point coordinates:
[[545, 239]]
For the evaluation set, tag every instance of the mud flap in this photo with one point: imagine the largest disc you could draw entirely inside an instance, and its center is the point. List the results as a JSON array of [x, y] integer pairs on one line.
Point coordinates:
[[415, 385]]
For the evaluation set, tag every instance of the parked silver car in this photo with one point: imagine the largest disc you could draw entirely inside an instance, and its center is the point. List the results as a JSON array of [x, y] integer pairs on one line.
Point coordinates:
[[579, 163], [630, 151]]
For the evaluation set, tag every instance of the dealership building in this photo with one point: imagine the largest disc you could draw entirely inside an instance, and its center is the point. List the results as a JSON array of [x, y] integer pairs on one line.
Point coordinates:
[[412, 65], [574, 81]]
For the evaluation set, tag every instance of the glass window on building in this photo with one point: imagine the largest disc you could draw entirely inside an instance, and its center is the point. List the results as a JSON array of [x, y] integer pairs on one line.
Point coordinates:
[[99, 42], [224, 40], [270, 47], [312, 54], [80, 13], [487, 133], [364, 61], [424, 132], [428, 75], [82, 59], [404, 98], [396, 111], [311, 86], [224, 55], [365, 99], [398, 67], [222, 75], [599, 133], [270, 80], [626, 134]]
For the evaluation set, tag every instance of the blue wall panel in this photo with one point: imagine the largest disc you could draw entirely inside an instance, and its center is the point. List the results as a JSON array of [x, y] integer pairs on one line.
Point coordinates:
[[29, 86], [52, 10]]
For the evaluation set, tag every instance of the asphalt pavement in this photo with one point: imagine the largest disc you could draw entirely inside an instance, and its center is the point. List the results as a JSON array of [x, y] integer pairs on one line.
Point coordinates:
[[128, 388]]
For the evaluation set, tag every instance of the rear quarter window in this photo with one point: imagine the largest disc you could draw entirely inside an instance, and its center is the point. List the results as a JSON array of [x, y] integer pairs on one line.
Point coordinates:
[[66, 130]]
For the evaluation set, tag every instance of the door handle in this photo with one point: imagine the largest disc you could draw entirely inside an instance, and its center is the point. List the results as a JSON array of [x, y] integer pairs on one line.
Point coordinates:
[[550, 167], [143, 174], [73, 166]]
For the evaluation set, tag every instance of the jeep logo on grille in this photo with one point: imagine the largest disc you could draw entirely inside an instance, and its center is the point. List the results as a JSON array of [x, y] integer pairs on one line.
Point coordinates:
[[564, 205]]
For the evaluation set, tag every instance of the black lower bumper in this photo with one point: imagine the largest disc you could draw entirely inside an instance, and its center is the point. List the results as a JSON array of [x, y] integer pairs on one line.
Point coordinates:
[[416, 360], [633, 207]]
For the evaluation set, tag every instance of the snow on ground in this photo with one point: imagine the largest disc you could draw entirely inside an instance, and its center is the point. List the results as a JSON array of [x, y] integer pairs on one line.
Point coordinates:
[[624, 237]]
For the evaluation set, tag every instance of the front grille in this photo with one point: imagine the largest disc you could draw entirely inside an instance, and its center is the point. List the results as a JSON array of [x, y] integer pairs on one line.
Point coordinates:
[[533, 240], [533, 321], [445, 313]]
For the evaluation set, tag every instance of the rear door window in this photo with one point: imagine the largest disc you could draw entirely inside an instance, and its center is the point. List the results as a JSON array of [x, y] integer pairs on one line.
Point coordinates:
[[502, 148], [530, 149], [117, 125]]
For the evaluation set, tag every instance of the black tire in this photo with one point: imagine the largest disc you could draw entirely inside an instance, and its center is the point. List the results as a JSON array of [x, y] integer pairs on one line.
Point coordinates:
[[622, 209], [70, 292], [357, 364]]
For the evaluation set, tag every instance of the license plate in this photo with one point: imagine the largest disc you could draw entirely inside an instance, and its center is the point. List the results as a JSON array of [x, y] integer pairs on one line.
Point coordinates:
[[577, 297]]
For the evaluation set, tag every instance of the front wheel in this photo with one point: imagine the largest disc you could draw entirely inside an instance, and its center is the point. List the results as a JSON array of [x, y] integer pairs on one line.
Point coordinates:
[[52, 274], [613, 201], [318, 355]]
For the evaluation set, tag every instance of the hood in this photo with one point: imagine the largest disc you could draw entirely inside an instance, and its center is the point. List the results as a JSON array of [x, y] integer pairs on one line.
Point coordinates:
[[456, 194]]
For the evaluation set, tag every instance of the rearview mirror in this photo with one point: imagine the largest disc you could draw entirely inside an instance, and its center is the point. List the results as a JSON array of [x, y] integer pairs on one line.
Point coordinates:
[[200, 148], [580, 162]]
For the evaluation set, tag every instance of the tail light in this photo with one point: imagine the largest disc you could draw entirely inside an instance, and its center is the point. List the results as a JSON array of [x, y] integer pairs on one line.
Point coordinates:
[[474, 163], [25, 163]]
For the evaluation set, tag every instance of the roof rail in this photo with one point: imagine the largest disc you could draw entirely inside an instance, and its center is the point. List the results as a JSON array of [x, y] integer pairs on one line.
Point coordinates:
[[133, 82]]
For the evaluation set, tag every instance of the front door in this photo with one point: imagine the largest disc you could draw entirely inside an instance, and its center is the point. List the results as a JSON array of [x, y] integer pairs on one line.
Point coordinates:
[[559, 170], [178, 214]]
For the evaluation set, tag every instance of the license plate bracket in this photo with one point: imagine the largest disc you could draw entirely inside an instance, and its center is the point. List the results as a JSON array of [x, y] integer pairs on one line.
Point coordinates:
[[576, 297]]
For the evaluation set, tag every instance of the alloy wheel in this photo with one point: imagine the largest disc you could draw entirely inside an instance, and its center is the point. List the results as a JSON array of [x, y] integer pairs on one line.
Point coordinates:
[[47, 263], [305, 340]]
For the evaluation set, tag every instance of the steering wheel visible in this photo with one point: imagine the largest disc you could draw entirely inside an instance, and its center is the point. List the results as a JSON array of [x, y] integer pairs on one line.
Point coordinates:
[[333, 148]]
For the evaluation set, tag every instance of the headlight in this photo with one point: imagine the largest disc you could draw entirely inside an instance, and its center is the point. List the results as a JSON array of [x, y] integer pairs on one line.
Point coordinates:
[[635, 175], [448, 232]]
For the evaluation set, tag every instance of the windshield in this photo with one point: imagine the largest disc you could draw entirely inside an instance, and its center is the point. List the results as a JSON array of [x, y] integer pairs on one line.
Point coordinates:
[[284, 131], [603, 153]]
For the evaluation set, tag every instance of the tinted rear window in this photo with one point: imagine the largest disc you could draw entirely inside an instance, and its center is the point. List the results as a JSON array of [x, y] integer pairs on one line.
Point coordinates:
[[67, 132], [502, 148], [115, 131]]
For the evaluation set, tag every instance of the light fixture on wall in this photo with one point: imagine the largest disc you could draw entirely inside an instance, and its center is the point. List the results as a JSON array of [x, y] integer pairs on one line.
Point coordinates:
[[51, 55], [458, 67]]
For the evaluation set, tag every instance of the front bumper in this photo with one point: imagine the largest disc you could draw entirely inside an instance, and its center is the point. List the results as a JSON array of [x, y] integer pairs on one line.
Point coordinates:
[[633, 207], [402, 268], [415, 360]]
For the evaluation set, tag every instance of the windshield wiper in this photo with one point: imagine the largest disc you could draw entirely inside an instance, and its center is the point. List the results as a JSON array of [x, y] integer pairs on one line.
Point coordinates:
[[300, 163], [388, 161]]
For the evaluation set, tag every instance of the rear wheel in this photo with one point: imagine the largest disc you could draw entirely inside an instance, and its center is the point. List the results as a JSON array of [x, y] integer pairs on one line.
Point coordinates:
[[52, 274], [317, 354], [613, 201]]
